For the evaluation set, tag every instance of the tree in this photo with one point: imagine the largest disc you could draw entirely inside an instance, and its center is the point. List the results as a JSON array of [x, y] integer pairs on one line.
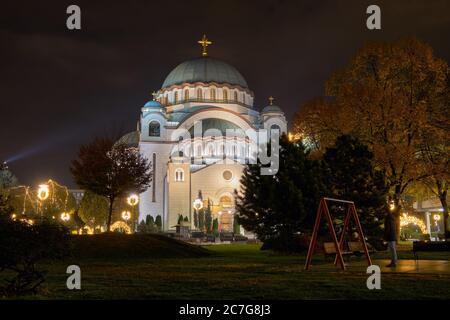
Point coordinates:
[[201, 219], [111, 170], [158, 222], [276, 207], [93, 209], [350, 172], [385, 97], [7, 178], [149, 220], [208, 218], [195, 219], [23, 248], [180, 220], [236, 225], [215, 227]]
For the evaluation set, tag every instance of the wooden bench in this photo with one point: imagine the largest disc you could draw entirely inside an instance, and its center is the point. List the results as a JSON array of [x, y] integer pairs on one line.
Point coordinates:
[[433, 246], [355, 248]]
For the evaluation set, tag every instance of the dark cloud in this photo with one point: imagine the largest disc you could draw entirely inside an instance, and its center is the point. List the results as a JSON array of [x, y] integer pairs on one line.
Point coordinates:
[[60, 88]]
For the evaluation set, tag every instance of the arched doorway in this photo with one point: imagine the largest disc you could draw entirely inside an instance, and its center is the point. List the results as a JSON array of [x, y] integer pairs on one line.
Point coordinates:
[[226, 213]]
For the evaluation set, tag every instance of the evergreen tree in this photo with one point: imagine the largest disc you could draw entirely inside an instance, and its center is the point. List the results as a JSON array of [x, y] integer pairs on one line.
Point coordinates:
[[149, 220], [276, 207], [236, 225], [158, 222], [195, 219], [201, 219], [180, 219], [208, 218], [349, 170], [215, 227]]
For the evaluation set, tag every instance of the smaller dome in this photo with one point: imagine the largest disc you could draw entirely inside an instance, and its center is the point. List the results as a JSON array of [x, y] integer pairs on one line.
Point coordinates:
[[272, 109], [153, 104], [131, 139]]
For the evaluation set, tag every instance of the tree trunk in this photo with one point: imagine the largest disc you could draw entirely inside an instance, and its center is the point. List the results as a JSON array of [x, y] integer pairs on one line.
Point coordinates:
[[443, 199], [396, 214], [108, 225]]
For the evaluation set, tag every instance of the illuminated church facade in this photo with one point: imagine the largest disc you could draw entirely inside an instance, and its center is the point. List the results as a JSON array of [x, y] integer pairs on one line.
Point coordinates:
[[195, 134]]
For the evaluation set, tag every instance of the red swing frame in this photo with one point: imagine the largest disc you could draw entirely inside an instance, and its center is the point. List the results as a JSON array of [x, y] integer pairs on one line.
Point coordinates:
[[351, 212]]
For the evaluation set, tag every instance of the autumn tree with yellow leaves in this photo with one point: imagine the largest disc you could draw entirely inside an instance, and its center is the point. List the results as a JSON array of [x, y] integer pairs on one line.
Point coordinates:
[[393, 97]]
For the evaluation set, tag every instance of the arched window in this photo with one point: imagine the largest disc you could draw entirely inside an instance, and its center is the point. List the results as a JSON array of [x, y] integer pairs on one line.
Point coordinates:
[[225, 95], [275, 127], [199, 94], [235, 96], [186, 94], [154, 129], [211, 150], [213, 94], [179, 175], [175, 97]]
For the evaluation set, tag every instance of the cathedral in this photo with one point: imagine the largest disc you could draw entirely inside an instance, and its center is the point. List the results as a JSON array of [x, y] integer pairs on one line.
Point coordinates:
[[195, 133]]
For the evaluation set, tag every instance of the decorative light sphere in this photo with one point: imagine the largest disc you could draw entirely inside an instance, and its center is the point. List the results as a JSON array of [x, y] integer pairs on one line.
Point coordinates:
[[198, 204], [436, 217], [65, 216], [133, 200], [43, 192], [392, 206], [126, 215]]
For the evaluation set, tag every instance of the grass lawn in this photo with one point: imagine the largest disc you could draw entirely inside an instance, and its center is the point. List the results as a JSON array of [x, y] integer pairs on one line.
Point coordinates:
[[239, 271]]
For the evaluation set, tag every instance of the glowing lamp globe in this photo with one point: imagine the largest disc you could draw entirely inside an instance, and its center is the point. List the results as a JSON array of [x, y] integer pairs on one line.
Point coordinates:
[[65, 216], [126, 215], [43, 192], [198, 204], [133, 200]]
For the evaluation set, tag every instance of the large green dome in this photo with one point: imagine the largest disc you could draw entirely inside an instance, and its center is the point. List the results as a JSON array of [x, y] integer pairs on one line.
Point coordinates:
[[205, 69]]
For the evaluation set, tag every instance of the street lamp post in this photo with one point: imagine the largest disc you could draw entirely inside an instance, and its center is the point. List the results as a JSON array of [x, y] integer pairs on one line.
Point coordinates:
[[133, 200]]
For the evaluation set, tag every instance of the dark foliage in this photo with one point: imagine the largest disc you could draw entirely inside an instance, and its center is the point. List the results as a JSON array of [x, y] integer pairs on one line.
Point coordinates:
[[277, 207], [22, 247], [349, 169], [111, 170]]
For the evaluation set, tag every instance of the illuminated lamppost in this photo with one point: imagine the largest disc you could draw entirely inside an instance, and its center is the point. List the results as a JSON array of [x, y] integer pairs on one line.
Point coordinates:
[[133, 201], [126, 215], [43, 193], [197, 204], [65, 216]]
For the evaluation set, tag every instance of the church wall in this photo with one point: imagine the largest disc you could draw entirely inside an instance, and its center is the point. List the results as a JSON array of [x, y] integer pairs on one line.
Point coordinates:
[[178, 192], [146, 204], [211, 182]]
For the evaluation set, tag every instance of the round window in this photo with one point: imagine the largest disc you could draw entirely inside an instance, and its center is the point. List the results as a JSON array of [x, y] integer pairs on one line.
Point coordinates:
[[227, 175]]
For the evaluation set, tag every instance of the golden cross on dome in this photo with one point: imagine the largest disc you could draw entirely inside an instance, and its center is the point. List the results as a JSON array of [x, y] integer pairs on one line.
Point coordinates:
[[154, 94], [204, 42], [271, 99]]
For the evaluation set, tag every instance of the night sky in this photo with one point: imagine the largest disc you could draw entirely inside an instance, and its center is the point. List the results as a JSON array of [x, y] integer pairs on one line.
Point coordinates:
[[60, 88]]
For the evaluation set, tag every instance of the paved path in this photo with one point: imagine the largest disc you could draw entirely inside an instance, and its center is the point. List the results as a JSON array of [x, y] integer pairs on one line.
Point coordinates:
[[419, 266], [403, 266]]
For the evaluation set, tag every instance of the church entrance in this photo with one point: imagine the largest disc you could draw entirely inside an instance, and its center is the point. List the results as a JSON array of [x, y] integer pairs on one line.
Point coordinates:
[[226, 213]]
